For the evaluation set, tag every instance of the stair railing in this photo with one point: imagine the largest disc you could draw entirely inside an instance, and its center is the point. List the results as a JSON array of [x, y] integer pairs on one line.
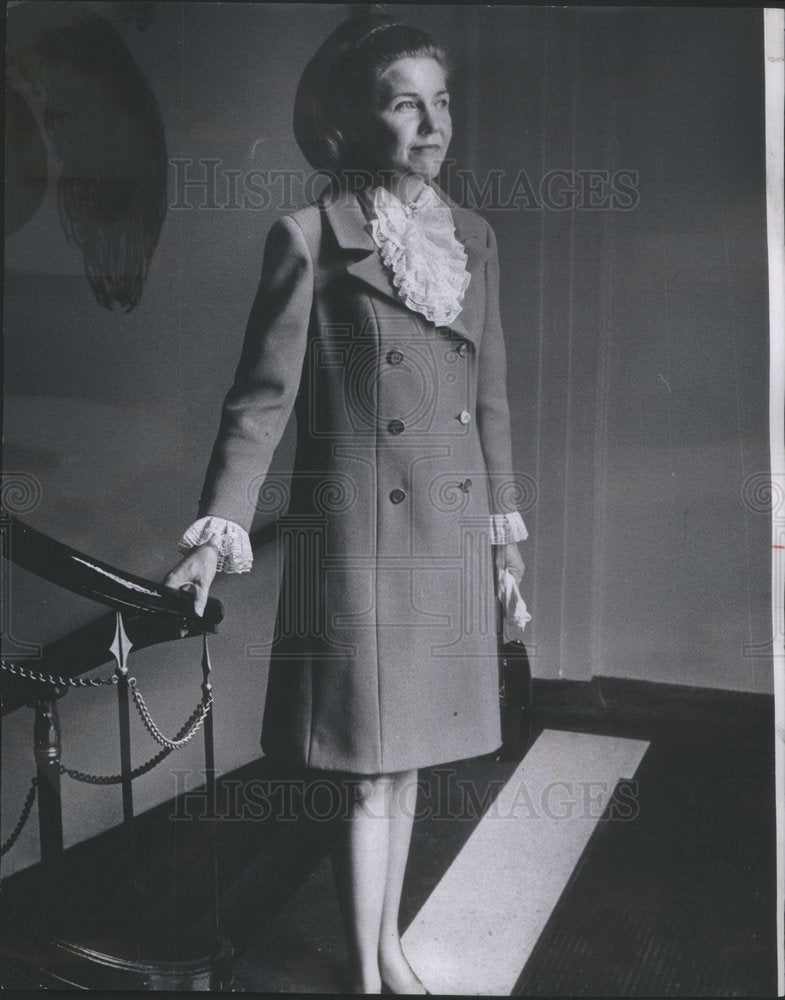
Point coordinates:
[[143, 614]]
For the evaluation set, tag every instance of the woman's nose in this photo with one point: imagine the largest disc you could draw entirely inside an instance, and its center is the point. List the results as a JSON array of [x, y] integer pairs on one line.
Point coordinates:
[[427, 121]]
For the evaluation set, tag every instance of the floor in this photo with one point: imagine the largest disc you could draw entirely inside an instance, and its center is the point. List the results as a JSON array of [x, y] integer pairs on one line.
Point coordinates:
[[673, 894], [593, 864]]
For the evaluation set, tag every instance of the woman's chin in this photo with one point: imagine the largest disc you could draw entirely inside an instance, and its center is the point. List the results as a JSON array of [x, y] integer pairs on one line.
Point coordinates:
[[429, 167], [426, 171]]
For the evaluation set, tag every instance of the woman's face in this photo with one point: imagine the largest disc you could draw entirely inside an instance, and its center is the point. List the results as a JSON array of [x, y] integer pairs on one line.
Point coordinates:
[[409, 127]]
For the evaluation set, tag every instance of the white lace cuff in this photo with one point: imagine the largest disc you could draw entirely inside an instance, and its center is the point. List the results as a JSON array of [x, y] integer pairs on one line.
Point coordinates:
[[507, 528], [234, 546]]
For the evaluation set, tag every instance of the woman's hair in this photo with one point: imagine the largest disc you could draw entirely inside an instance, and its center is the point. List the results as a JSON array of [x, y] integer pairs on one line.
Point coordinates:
[[336, 85]]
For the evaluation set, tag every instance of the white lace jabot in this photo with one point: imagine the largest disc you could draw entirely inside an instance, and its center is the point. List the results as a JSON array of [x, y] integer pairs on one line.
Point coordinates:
[[417, 243]]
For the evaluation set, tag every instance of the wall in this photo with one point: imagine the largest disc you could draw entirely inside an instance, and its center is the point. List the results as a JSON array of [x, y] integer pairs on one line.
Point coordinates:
[[636, 334]]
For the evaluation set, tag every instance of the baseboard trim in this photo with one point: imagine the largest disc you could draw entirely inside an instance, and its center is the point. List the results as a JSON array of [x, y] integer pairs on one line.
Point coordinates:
[[651, 710]]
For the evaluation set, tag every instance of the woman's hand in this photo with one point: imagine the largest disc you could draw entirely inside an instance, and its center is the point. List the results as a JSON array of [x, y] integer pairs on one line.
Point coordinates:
[[508, 557], [197, 570]]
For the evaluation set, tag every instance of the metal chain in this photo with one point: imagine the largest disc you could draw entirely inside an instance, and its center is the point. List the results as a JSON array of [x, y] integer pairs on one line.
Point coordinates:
[[114, 779], [187, 731], [41, 678], [23, 818], [199, 715], [195, 719]]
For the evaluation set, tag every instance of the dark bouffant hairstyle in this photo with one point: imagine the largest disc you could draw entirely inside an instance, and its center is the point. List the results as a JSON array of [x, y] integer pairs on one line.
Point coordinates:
[[336, 84]]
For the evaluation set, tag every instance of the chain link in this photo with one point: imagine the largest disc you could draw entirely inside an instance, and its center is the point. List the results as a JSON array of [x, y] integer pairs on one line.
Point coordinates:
[[41, 678], [23, 818], [199, 715], [114, 779], [186, 732]]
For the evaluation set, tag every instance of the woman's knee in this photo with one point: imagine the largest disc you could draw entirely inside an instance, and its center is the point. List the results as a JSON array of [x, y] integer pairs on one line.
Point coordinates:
[[371, 792]]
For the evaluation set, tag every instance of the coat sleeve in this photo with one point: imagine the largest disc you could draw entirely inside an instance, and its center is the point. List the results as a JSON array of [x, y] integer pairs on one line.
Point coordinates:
[[493, 414], [260, 401]]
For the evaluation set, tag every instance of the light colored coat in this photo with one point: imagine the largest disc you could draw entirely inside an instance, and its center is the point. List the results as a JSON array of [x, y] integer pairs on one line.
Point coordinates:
[[385, 654]]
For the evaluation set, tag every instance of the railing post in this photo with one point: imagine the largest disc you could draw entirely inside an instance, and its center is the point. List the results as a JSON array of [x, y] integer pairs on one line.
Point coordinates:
[[209, 776], [120, 648], [46, 750], [220, 965]]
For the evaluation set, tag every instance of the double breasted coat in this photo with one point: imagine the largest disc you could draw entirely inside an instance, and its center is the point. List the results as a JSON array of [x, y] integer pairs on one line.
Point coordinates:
[[384, 657]]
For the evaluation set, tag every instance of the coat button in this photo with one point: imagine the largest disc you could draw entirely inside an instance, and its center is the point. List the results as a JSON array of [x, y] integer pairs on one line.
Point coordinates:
[[463, 349], [395, 426], [394, 357], [466, 485], [396, 496], [464, 416]]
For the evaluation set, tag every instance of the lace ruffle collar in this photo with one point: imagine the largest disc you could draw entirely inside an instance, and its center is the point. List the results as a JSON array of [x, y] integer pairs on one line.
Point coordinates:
[[417, 243]]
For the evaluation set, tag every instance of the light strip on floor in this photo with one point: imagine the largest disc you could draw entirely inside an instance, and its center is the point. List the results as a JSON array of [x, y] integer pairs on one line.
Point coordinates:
[[477, 929]]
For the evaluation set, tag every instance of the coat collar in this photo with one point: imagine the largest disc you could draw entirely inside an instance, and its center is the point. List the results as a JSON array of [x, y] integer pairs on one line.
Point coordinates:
[[345, 215]]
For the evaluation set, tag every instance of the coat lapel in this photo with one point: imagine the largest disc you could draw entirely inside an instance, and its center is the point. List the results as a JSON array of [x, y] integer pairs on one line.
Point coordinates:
[[351, 230]]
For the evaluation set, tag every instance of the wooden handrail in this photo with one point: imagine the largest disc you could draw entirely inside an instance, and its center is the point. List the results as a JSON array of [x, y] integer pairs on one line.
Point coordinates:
[[143, 613], [97, 580], [152, 613]]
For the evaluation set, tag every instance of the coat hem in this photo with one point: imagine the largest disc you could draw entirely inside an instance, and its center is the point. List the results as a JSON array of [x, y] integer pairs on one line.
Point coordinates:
[[289, 762]]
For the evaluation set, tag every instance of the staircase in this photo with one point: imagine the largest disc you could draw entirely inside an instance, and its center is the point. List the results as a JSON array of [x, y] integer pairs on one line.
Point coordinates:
[[108, 913]]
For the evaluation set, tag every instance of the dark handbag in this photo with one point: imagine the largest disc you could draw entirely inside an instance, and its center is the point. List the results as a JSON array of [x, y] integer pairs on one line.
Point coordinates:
[[515, 699]]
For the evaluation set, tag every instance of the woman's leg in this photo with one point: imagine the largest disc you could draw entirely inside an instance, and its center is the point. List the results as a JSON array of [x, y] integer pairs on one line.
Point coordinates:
[[360, 863], [395, 971]]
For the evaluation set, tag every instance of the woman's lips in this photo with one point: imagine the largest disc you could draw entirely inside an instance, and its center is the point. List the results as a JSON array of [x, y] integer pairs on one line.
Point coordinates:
[[430, 147]]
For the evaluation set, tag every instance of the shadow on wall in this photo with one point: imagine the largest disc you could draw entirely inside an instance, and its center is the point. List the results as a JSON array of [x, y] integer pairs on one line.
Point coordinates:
[[75, 96], [84, 132]]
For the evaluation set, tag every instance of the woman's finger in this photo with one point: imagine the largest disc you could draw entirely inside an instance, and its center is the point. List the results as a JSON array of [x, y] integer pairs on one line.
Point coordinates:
[[174, 579], [517, 570], [194, 575], [182, 573], [200, 599], [513, 562], [199, 593]]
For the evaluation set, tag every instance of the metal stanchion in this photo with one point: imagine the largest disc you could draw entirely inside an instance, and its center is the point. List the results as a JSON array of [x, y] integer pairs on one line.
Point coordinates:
[[120, 648]]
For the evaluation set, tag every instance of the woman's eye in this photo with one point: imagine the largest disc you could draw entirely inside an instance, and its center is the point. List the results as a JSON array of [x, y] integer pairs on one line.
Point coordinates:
[[443, 102], [404, 105]]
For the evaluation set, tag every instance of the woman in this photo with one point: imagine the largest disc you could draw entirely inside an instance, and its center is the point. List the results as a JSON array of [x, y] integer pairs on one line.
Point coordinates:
[[377, 320]]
